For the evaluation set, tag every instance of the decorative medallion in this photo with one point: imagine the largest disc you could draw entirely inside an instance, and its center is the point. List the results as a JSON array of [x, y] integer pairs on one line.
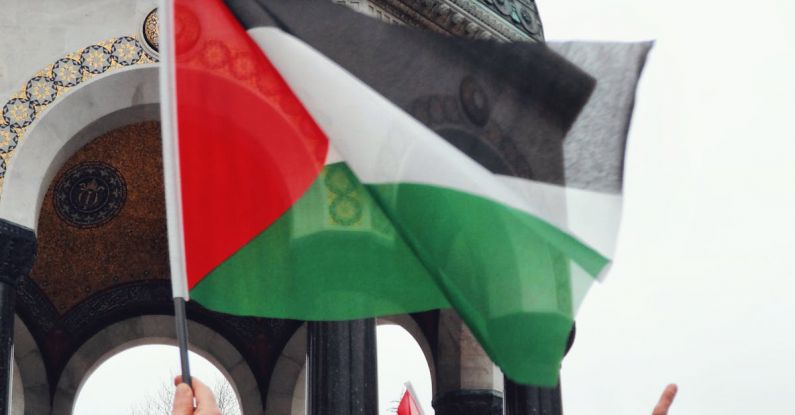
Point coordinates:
[[126, 50], [89, 195], [215, 54], [67, 72], [339, 180], [465, 122], [529, 21], [243, 66], [345, 208], [8, 139], [186, 30], [152, 31], [474, 101], [521, 14], [95, 59], [18, 112], [41, 90], [504, 6]]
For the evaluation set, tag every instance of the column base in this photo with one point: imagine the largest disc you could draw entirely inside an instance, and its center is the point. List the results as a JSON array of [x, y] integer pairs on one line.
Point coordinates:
[[469, 402]]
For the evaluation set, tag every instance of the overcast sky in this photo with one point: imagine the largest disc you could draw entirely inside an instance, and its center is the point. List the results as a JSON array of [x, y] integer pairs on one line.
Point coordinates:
[[702, 289]]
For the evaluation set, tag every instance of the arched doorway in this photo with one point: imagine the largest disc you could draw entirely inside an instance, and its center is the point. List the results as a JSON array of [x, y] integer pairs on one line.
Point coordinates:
[[148, 330], [404, 354], [139, 381]]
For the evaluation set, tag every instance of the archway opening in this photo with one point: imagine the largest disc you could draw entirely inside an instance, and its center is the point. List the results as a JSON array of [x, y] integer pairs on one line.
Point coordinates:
[[139, 380], [400, 360], [402, 357]]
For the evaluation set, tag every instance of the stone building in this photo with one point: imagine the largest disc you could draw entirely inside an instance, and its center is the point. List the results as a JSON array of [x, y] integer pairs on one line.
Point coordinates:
[[81, 191]]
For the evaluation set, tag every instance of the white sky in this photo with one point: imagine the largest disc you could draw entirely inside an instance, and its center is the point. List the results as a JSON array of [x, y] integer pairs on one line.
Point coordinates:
[[132, 376], [701, 292]]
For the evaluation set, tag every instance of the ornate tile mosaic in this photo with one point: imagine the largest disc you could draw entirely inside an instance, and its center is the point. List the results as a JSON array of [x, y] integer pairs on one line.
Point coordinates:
[[55, 80], [102, 221]]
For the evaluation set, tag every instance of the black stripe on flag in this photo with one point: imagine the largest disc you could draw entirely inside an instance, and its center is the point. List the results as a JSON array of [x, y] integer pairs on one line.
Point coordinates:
[[506, 105]]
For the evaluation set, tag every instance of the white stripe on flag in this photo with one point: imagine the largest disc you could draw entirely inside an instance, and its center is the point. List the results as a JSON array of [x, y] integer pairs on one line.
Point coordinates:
[[592, 217], [380, 142]]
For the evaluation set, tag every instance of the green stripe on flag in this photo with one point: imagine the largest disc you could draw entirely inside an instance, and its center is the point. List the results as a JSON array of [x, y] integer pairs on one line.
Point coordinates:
[[336, 255], [333, 256]]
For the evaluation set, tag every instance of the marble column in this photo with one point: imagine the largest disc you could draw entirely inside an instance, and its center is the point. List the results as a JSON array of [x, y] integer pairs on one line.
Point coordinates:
[[468, 382], [531, 400], [342, 375], [17, 252]]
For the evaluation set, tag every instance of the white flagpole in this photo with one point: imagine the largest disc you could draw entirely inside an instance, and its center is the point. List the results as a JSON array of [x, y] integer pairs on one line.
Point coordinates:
[[168, 123]]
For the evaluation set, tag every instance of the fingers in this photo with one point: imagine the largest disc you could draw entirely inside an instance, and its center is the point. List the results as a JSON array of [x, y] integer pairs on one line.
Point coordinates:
[[666, 399], [183, 400], [205, 400]]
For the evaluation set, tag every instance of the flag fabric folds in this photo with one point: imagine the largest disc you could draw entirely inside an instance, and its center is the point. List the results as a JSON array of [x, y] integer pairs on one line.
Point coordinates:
[[335, 167]]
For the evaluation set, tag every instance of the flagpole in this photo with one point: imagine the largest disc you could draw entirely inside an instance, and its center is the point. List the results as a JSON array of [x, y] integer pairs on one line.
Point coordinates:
[[182, 338], [176, 248]]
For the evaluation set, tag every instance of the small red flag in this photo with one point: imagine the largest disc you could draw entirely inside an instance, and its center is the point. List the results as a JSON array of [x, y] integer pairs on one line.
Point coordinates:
[[408, 406]]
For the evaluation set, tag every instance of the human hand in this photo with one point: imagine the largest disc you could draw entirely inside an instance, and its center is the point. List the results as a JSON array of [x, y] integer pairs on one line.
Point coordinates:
[[183, 399], [666, 399]]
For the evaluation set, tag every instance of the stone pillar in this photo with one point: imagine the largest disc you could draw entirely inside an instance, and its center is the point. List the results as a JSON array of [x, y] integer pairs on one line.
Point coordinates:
[[17, 252], [468, 382], [530, 400], [342, 375]]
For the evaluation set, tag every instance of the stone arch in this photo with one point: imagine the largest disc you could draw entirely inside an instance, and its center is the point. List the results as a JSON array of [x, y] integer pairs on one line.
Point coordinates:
[[410, 325], [155, 329], [286, 395], [90, 109], [31, 390]]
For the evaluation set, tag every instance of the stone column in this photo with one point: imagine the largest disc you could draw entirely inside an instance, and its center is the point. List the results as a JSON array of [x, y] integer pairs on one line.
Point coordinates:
[[530, 400], [17, 252], [467, 380], [342, 375]]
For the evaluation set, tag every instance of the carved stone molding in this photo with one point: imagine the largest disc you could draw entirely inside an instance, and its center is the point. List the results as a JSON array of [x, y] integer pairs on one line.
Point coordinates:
[[506, 20]]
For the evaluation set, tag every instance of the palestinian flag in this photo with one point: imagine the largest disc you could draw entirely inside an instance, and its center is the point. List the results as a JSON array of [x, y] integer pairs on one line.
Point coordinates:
[[322, 165]]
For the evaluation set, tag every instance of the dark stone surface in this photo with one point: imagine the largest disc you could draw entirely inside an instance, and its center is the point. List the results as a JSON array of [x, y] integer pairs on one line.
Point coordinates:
[[6, 345], [469, 402], [342, 375], [17, 253], [259, 340], [531, 400]]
